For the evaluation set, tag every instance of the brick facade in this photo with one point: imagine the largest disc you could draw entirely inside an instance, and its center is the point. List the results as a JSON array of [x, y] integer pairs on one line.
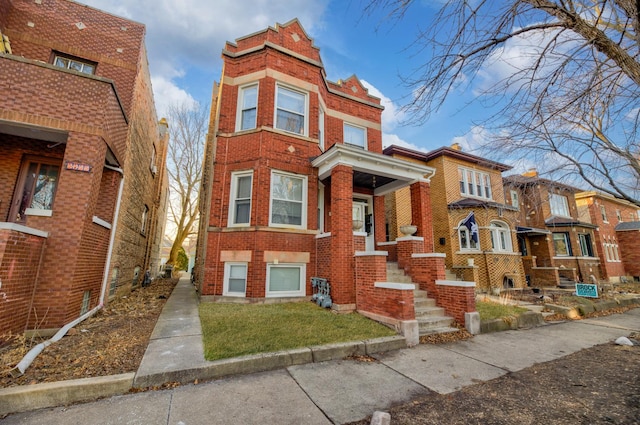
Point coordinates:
[[609, 214], [105, 123], [340, 186], [449, 207]]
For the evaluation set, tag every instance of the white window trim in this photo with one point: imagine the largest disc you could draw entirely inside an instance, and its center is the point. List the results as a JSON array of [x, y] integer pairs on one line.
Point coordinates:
[[365, 144], [321, 126], [305, 131], [320, 207], [497, 228], [462, 228], [474, 177], [515, 197], [303, 224], [227, 276], [303, 277], [554, 199], [603, 214], [239, 109], [235, 176]]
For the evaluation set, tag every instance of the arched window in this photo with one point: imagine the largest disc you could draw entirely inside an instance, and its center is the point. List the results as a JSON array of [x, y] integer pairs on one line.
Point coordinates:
[[466, 241], [500, 237]]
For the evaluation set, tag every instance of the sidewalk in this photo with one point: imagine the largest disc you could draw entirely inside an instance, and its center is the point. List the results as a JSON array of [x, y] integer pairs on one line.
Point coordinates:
[[295, 389]]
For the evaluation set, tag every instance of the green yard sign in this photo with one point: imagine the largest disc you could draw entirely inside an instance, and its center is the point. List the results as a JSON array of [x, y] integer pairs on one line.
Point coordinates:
[[587, 290]]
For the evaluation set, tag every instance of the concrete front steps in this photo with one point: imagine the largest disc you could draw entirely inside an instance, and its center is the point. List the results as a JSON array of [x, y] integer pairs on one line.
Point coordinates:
[[431, 318]]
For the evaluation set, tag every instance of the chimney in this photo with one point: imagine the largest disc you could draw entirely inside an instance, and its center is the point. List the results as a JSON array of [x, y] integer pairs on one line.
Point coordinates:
[[532, 172], [456, 147]]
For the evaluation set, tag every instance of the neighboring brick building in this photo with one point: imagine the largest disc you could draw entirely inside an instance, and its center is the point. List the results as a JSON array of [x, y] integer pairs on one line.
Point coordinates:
[[82, 161], [465, 184], [616, 234], [557, 245], [295, 178]]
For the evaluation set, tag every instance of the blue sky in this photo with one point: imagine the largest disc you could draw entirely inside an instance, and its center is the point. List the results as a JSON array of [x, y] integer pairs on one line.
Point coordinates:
[[185, 37]]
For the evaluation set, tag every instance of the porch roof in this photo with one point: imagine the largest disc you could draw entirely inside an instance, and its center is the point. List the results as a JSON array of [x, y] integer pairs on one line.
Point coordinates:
[[555, 221], [532, 231], [381, 173]]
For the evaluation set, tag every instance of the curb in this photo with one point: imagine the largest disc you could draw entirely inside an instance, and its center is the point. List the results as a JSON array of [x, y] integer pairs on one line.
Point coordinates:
[[38, 396], [52, 394], [528, 319]]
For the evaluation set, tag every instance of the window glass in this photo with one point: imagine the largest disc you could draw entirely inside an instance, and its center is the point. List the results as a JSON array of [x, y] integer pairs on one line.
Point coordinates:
[[286, 280], [515, 202], [237, 278], [354, 135], [474, 183], [249, 107], [561, 244], [466, 241], [500, 237], [74, 65], [290, 110], [585, 244], [241, 198], [288, 195], [559, 205]]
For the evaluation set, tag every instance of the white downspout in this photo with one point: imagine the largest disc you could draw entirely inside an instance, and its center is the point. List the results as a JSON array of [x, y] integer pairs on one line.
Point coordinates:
[[26, 361]]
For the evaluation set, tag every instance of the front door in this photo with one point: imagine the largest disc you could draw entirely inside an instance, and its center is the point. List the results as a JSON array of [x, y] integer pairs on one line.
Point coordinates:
[[362, 211]]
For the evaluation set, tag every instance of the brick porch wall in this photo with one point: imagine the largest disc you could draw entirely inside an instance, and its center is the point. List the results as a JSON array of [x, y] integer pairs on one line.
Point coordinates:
[[374, 295], [457, 298], [20, 256]]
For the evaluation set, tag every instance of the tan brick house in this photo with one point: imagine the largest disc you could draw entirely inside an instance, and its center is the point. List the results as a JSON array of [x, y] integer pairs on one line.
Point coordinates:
[[464, 186], [295, 181], [616, 234], [82, 155], [556, 244]]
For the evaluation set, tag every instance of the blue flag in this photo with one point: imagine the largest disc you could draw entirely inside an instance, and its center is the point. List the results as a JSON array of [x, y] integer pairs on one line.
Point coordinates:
[[470, 223]]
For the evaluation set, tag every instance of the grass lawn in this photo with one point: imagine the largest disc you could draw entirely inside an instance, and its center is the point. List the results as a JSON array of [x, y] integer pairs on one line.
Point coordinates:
[[231, 330], [490, 310]]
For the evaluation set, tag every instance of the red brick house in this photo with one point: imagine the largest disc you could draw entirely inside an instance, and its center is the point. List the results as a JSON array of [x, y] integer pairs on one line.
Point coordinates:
[[556, 243], [616, 234], [82, 157], [295, 181]]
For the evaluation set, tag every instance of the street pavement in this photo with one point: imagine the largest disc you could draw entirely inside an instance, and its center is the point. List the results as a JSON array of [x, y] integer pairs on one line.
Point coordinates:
[[329, 392]]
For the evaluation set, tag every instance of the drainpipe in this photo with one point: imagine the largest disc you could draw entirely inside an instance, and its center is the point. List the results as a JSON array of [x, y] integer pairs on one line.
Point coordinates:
[[26, 361]]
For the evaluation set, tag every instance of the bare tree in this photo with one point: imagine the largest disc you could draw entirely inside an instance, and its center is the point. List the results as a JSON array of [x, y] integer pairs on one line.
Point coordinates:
[[568, 104], [188, 128]]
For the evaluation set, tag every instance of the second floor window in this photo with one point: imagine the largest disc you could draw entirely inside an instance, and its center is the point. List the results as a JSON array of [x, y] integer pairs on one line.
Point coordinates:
[[603, 213], [74, 64], [291, 107], [559, 205], [247, 107], [240, 203], [355, 136], [474, 183]]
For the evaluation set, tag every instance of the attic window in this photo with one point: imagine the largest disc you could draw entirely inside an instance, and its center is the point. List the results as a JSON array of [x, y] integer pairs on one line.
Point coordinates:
[[74, 64]]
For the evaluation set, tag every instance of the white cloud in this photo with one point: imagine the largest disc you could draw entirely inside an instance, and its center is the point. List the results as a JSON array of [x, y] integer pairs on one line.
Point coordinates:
[[394, 139], [166, 93], [392, 114], [192, 33], [476, 138]]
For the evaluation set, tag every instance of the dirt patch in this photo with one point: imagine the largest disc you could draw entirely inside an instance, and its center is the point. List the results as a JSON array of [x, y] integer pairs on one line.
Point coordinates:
[[598, 385], [110, 343]]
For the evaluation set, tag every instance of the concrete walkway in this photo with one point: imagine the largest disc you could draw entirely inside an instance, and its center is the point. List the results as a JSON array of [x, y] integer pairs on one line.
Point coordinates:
[[298, 388]]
